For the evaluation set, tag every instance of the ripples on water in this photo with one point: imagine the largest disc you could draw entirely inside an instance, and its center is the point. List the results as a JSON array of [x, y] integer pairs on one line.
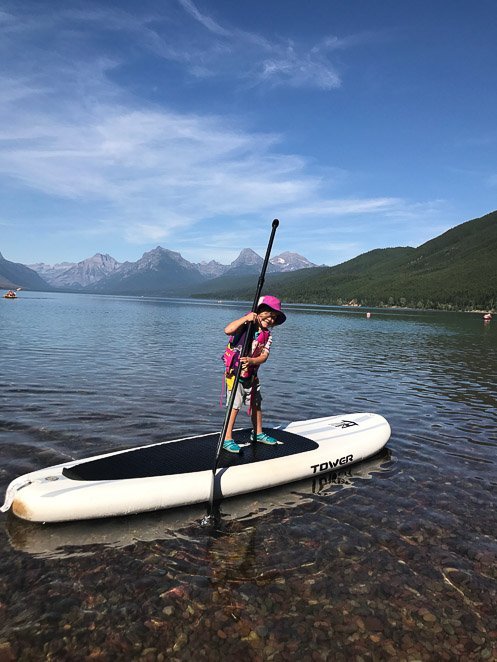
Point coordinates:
[[394, 558]]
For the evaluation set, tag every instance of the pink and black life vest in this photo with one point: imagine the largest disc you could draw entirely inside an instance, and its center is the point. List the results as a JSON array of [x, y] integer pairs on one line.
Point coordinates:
[[232, 353]]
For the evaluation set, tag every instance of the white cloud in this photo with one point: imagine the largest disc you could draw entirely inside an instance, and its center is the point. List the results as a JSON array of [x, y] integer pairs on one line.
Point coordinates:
[[157, 171], [206, 21], [145, 163], [346, 207], [194, 40], [261, 60], [288, 66], [69, 130]]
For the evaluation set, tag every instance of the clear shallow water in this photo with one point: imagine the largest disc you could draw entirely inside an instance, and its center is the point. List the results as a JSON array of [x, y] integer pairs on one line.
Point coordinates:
[[395, 558]]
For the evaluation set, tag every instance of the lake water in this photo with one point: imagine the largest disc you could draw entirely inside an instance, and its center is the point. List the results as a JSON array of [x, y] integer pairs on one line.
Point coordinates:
[[394, 558]]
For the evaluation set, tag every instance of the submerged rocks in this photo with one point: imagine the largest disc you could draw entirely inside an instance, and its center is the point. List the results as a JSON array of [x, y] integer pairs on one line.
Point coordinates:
[[321, 580]]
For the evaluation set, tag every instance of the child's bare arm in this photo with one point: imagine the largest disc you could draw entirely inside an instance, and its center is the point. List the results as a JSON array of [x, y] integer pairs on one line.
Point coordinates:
[[233, 327], [254, 360]]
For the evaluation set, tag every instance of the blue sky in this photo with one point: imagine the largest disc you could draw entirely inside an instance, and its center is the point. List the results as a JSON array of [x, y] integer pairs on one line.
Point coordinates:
[[192, 124]]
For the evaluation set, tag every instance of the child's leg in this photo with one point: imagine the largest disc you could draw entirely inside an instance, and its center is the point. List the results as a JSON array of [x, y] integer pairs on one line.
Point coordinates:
[[231, 423], [256, 416]]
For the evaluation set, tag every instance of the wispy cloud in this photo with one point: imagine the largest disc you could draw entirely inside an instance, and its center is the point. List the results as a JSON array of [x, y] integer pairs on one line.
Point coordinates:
[[205, 20], [260, 60], [70, 129], [79, 135], [155, 170], [347, 207], [274, 60], [206, 48]]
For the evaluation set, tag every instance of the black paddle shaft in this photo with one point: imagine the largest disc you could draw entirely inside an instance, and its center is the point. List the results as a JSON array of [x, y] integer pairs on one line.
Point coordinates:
[[245, 350]]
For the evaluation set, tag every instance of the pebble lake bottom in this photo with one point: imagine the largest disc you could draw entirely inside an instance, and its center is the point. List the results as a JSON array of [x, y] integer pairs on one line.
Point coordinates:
[[393, 558]]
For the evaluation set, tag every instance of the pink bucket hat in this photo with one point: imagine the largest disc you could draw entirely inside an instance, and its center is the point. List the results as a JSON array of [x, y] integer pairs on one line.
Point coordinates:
[[274, 304]]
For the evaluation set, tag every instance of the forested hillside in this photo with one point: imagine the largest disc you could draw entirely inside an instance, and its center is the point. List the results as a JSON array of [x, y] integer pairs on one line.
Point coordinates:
[[455, 271]]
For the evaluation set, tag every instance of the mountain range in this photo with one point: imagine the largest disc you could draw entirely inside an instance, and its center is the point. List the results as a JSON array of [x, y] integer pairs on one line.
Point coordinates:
[[159, 271], [13, 275], [456, 271]]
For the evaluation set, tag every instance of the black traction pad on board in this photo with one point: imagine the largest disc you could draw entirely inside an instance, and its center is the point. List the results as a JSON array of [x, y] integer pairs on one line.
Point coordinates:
[[187, 456]]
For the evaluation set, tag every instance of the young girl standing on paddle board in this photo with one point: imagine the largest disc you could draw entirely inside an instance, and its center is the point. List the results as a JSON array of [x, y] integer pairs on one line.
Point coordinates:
[[267, 315]]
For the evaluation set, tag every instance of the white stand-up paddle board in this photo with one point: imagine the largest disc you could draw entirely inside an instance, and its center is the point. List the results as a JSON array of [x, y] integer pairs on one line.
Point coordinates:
[[179, 472]]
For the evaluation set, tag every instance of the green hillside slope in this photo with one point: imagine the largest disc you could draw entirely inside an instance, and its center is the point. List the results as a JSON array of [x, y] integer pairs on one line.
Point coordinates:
[[455, 271]]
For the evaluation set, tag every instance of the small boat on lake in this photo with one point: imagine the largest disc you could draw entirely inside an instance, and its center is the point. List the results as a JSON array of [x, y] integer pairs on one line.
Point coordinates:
[[10, 295], [487, 317]]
